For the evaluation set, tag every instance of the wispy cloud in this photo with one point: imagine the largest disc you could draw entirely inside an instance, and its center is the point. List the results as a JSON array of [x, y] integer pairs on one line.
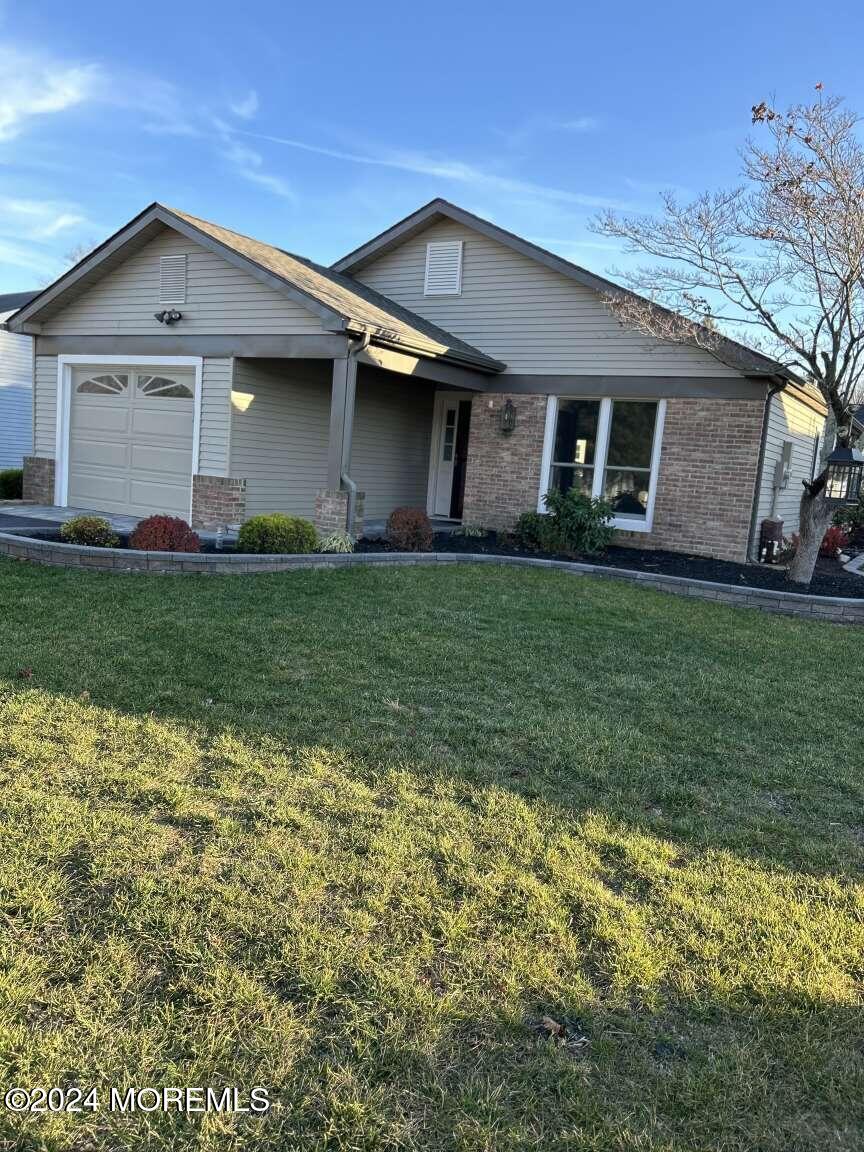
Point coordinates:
[[29, 259], [533, 127], [32, 86], [247, 107], [37, 219], [249, 164], [446, 169]]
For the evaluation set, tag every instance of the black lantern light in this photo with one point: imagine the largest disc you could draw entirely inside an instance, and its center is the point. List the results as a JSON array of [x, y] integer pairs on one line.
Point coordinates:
[[508, 417], [843, 478]]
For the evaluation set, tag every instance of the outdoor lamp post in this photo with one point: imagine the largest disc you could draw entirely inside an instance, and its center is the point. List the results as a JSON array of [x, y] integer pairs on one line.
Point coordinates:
[[843, 479]]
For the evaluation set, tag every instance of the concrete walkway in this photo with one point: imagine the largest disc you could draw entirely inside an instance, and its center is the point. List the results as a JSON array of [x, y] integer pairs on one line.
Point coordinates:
[[14, 516]]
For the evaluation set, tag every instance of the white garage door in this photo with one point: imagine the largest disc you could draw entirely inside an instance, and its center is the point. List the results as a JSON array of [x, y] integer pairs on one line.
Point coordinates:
[[130, 443]]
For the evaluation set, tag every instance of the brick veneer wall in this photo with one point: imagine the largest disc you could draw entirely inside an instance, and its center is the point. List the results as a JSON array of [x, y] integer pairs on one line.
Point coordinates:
[[503, 473], [331, 512], [707, 478], [39, 479], [217, 501], [705, 487]]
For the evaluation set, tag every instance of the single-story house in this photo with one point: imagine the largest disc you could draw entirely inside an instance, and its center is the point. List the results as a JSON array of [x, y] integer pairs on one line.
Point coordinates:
[[446, 363], [16, 385]]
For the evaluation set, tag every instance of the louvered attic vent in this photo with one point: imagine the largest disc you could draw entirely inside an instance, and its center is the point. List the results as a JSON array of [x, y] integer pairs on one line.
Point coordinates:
[[172, 280], [443, 268]]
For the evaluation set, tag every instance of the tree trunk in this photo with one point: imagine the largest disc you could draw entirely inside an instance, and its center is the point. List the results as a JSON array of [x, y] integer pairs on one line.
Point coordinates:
[[816, 517]]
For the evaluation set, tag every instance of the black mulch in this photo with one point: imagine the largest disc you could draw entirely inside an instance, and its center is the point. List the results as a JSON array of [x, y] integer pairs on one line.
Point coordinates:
[[829, 579]]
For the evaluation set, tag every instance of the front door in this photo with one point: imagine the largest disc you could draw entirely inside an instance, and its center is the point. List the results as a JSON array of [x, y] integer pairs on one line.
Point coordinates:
[[450, 454]]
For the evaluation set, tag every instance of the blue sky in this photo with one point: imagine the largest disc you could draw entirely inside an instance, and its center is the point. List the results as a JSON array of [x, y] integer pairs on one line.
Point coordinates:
[[315, 126]]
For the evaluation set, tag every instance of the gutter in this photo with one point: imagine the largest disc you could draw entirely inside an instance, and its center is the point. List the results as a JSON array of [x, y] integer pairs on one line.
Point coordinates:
[[772, 392]]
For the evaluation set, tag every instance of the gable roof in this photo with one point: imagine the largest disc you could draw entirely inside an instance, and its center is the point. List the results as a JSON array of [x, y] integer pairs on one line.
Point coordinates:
[[343, 304], [12, 301], [730, 352]]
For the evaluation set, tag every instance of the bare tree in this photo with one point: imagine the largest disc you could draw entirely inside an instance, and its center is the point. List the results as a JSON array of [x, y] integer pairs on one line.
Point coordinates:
[[776, 262]]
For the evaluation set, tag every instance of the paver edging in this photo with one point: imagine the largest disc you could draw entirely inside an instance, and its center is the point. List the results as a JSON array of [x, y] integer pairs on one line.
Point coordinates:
[[50, 552]]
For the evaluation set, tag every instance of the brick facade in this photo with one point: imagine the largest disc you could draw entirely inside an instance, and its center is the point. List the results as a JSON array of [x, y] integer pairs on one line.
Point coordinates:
[[705, 487], [331, 512], [39, 479], [707, 478], [217, 501], [503, 473]]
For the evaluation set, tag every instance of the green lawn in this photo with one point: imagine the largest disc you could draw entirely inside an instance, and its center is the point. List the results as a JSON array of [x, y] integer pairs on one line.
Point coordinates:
[[352, 835]]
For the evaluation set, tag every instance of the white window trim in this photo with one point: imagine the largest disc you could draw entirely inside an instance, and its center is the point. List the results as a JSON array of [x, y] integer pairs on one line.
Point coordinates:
[[65, 364], [621, 523]]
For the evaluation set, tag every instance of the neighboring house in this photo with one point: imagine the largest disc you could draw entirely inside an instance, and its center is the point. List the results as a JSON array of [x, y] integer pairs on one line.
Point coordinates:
[[447, 363], [16, 386]]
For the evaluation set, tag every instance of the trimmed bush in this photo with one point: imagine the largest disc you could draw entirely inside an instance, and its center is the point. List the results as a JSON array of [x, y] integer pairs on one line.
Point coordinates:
[[534, 532], [275, 532], [409, 530], [165, 534], [336, 542], [91, 530], [833, 542], [11, 483]]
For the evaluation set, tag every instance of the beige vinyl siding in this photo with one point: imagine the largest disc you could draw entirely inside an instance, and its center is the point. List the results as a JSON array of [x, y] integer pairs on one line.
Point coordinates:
[[215, 442], [16, 397], [45, 396], [392, 434], [532, 318], [220, 299], [280, 413], [788, 419]]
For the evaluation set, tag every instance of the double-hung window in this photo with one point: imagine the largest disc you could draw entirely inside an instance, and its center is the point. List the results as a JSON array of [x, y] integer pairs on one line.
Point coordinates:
[[609, 449]]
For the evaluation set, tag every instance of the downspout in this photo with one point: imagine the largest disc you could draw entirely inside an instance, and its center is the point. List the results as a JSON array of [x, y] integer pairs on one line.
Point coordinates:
[[348, 426], [772, 392]]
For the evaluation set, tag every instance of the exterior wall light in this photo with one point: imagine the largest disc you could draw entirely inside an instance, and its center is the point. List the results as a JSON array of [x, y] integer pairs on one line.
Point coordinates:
[[508, 417], [168, 316], [843, 478]]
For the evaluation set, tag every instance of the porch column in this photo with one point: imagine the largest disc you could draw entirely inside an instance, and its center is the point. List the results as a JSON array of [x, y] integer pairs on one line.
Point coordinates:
[[331, 505]]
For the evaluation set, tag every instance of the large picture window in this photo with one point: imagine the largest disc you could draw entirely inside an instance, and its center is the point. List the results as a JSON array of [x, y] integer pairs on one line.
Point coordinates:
[[609, 449]]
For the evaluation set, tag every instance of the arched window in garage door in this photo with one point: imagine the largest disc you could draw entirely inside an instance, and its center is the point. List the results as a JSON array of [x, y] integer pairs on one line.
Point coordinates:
[[108, 384], [164, 387]]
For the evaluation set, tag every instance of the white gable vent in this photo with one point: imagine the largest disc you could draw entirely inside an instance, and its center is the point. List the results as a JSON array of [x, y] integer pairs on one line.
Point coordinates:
[[172, 280], [443, 268]]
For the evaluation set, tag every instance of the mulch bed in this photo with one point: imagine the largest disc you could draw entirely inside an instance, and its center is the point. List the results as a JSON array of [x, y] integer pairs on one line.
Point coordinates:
[[829, 578]]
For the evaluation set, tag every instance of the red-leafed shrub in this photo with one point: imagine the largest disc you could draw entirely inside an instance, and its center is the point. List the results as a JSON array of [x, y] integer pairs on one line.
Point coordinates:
[[164, 534], [834, 541], [409, 530]]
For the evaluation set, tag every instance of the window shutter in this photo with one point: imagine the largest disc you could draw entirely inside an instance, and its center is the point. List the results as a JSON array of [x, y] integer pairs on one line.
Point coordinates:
[[172, 280], [443, 268]]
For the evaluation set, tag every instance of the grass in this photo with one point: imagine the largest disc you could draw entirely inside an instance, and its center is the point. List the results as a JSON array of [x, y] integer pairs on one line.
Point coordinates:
[[352, 835]]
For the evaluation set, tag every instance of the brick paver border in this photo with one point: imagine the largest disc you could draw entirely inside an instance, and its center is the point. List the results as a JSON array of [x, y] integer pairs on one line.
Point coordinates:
[[31, 548]]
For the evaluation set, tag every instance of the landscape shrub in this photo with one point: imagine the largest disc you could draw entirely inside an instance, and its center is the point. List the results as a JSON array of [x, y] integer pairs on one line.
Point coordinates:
[[336, 542], [409, 530], [851, 518], [275, 532], [574, 524], [165, 534], [833, 542], [11, 484], [535, 532], [91, 530]]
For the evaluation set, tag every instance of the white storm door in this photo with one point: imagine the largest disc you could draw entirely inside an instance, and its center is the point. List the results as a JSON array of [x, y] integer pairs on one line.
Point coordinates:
[[447, 426]]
